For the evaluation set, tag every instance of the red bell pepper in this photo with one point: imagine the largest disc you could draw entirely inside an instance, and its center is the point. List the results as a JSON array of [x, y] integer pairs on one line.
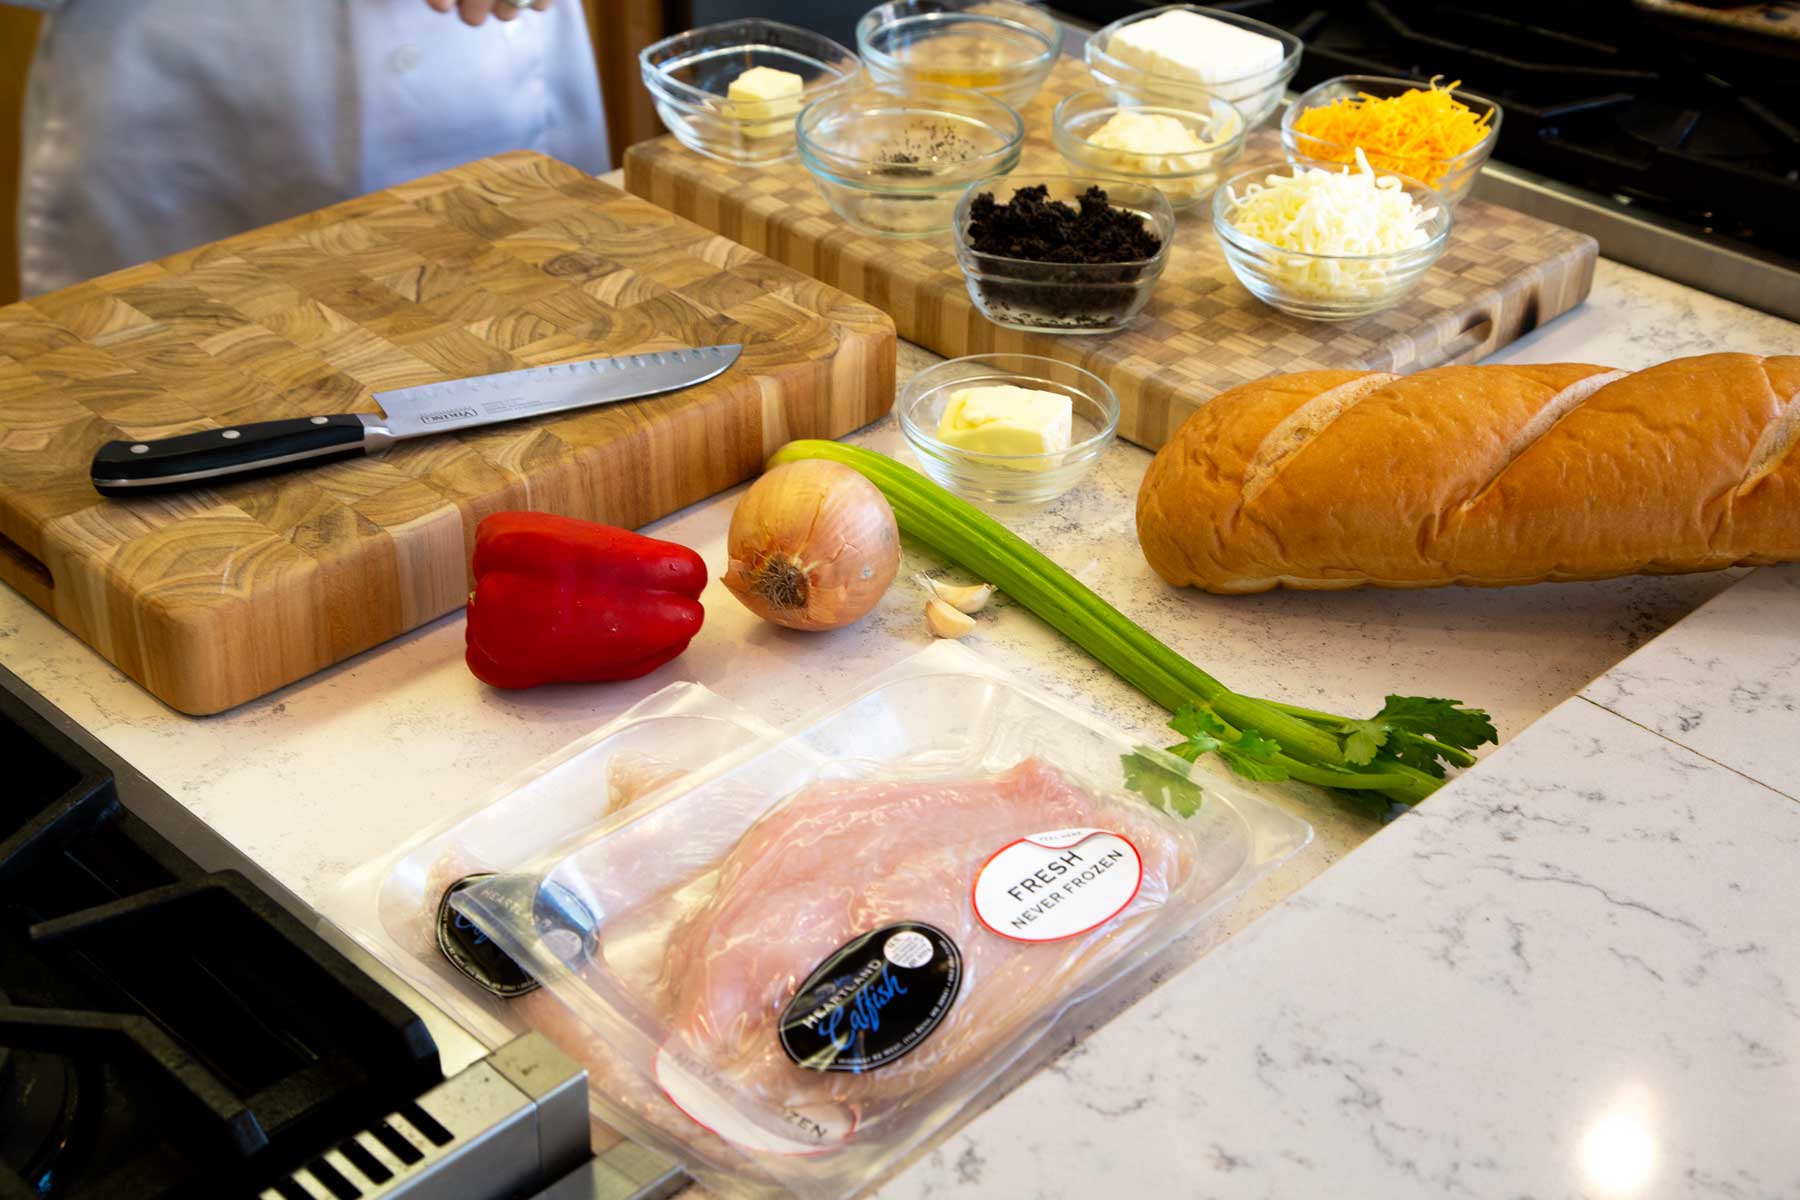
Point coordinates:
[[560, 599]]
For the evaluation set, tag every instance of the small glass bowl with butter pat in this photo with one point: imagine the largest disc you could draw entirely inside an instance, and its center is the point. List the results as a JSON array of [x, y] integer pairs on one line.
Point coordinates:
[[1008, 428], [894, 159], [1174, 54], [733, 90], [1182, 152]]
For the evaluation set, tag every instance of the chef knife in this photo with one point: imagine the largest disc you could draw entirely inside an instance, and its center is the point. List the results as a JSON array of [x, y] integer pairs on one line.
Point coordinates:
[[258, 447]]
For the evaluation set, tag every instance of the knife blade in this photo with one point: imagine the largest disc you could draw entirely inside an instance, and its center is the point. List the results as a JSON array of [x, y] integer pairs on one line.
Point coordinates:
[[259, 447]]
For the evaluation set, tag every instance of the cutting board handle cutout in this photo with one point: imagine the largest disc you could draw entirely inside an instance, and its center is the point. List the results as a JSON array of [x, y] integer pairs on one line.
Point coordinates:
[[25, 572]]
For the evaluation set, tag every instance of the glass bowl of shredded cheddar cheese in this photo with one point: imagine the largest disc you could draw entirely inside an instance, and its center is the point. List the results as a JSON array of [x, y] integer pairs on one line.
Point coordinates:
[[1329, 242], [1437, 134]]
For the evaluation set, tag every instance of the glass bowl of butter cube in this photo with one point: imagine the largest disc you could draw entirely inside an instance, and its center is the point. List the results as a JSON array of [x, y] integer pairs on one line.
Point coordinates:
[[1008, 428], [1175, 54], [1002, 47], [733, 90], [1182, 152]]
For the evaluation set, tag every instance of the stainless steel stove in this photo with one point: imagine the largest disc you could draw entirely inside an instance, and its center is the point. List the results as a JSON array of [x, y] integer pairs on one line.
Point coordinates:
[[174, 1023], [1667, 129]]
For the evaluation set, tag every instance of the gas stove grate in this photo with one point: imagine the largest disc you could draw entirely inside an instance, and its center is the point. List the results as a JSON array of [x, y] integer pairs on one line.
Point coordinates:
[[164, 1031]]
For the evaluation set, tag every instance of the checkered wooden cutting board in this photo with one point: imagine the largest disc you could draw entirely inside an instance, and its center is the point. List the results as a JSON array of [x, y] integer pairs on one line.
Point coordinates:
[[1503, 274], [216, 595]]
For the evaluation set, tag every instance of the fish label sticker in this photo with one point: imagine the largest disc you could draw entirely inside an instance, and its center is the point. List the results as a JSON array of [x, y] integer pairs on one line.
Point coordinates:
[[1057, 884], [873, 999], [562, 922]]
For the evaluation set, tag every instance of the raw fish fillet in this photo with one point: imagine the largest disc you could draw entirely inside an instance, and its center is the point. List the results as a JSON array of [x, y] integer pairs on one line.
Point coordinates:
[[845, 857]]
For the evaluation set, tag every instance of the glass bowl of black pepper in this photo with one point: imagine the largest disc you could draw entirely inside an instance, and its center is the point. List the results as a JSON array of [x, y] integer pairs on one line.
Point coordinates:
[[894, 159], [1062, 253]]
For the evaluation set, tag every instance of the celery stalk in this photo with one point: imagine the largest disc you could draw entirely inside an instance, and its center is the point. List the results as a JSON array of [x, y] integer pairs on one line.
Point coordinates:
[[1310, 746]]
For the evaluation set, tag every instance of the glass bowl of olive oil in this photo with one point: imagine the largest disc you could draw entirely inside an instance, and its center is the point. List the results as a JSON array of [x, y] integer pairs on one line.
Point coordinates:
[[1002, 47]]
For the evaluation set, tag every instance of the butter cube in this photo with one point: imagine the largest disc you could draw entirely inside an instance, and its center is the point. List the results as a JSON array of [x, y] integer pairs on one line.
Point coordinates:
[[764, 92], [1189, 46], [1007, 420], [1152, 144]]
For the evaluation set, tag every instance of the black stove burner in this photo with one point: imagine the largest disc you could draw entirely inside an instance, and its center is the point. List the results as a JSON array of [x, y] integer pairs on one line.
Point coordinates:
[[165, 1032], [1696, 123], [40, 1095]]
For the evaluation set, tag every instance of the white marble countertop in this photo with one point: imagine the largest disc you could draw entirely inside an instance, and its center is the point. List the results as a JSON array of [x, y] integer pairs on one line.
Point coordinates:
[[325, 774]]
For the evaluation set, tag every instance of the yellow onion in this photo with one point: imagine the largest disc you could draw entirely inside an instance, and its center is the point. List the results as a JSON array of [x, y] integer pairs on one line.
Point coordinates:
[[813, 545]]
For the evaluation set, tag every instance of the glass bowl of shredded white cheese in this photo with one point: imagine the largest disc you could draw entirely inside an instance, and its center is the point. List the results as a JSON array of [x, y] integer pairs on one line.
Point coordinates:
[[1329, 244]]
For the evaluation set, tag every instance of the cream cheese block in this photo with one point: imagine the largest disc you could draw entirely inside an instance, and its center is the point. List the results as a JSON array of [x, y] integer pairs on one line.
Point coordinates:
[[764, 92], [1007, 420], [1186, 45]]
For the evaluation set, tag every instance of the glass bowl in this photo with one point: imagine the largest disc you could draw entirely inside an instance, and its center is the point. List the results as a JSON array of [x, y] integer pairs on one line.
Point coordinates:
[[1255, 95], [1050, 297], [1452, 177], [687, 77], [1008, 478], [1326, 287], [1184, 178], [1002, 47], [893, 159]]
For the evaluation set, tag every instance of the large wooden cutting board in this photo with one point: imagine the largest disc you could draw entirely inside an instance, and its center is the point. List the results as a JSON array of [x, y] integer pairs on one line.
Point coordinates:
[[1503, 274], [214, 596]]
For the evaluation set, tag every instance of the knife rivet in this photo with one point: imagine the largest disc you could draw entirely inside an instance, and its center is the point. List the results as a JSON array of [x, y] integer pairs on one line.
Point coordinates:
[[320, 420], [230, 433], [140, 448]]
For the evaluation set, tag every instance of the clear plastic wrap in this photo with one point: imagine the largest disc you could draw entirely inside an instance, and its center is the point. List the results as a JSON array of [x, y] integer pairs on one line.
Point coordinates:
[[795, 971], [392, 904]]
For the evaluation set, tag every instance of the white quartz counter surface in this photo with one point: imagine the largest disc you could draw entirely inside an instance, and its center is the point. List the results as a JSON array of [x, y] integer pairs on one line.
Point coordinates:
[[1592, 931]]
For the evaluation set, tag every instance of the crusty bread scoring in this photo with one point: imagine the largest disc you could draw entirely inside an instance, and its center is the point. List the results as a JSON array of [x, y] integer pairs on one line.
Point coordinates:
[[1480, 475]]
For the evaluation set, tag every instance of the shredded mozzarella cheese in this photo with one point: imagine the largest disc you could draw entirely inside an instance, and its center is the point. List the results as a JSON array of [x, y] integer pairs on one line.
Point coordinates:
[[1349, 214]]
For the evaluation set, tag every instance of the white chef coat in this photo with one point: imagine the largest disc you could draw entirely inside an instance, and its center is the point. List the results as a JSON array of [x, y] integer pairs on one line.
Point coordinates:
[[156, 125]]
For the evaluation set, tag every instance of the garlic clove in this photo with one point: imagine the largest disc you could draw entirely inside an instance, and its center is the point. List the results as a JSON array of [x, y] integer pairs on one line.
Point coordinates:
[[945, 621], [970, 599]]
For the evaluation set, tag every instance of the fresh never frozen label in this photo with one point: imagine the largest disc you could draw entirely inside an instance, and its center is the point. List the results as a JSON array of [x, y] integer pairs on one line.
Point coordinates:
[[873, 999], [1056, 884]]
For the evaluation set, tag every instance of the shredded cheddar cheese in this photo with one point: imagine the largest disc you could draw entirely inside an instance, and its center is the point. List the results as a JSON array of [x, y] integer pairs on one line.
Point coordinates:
[[1414, 133]]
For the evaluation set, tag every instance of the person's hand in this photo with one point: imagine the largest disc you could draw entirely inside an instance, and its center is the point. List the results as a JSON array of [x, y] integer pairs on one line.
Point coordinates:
[[474, 12]]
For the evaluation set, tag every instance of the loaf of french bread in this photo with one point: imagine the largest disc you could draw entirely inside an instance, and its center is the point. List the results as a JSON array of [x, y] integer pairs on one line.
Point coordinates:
[[1485, 475]]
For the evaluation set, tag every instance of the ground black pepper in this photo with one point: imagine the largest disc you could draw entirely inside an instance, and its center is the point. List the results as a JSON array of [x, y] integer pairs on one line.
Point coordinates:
[[923, 146], [1065, 276]]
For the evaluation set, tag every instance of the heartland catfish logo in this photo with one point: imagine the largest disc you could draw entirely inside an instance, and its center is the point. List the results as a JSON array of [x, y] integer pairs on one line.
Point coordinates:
[[448, 414]]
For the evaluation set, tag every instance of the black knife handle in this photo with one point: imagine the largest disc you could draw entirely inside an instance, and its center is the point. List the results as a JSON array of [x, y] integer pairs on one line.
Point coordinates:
[[234, 452]]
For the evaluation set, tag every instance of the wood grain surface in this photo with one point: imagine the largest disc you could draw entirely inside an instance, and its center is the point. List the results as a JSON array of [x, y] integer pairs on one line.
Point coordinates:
[[1503, 274], [214, 596]]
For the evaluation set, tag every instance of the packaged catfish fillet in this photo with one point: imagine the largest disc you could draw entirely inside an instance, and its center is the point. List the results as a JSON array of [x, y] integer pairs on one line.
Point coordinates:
[[395, 905], [793, 973]]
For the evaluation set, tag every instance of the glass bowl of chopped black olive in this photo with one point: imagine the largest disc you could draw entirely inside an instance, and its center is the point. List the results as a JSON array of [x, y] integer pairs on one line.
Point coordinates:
[[894, 159], [1062, 253]]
